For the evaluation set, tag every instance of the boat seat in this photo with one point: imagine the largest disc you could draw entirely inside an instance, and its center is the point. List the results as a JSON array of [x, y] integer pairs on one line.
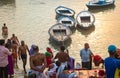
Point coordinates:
[[85, 19], [66, 22], [64, 11], [59, 31]]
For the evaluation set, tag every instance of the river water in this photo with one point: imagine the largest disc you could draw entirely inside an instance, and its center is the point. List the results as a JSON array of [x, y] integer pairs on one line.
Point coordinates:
[[30, 20]]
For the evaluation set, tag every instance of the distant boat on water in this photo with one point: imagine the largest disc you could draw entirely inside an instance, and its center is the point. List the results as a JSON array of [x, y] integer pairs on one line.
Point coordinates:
[[64, 11], [85, 19], [99, 3], [67, 21], [59, 32]]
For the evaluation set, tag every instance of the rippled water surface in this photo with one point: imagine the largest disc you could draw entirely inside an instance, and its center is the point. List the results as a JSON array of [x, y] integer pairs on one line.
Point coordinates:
[[31, 19]]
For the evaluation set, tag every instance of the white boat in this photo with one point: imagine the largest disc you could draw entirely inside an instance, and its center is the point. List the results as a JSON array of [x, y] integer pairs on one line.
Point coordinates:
[[64, 11], [85, 19], [99, 3], [59, 32], [67, 21]]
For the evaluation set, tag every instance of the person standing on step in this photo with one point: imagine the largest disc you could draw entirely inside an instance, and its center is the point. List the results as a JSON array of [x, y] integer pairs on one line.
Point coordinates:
[[86, 56]]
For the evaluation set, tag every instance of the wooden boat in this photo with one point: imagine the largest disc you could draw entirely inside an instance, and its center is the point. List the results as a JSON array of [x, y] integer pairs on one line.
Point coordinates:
[[105, 9], [85, 19], [100, 3], [67, 21], [64, 11], [59, 32]]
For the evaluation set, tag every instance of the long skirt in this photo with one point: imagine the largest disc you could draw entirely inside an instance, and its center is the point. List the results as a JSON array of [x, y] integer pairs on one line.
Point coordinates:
[[10, 65]]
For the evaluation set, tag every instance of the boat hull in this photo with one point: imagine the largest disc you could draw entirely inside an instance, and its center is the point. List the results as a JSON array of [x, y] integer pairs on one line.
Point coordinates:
[[67, 21], [59, 32], [96, 6], [85, 19], [64, 11]]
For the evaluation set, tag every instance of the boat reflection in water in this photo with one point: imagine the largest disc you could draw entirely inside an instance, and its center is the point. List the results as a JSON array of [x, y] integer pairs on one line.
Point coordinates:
[[86, 32], [57, 45]]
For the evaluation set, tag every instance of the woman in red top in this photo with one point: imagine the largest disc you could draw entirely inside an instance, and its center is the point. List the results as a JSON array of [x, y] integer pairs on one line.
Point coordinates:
[[49, 56]]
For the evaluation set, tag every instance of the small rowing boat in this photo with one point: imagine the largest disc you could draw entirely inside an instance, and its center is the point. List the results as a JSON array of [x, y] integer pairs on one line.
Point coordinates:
[[85, 19], [67, 21], [59, 32], [99, 3], [64, 11]]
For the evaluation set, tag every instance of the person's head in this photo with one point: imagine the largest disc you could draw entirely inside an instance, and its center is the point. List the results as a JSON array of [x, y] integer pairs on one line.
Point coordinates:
[[97, 60], [112, 49], [22, 42], [86, 45], [9, 41], [32, 46], [4, 24], [8, 46], [118, 53], [35, 49], [2, 41], [13, 35], [49, 49], [62, 48]]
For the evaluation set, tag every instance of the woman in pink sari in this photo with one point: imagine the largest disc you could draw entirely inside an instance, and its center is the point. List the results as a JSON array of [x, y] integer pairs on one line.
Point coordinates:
[[10, 60], [10, 66]]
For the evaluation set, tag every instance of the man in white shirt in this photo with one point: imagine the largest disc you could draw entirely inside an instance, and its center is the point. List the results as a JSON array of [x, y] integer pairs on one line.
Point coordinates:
[[86, 56]]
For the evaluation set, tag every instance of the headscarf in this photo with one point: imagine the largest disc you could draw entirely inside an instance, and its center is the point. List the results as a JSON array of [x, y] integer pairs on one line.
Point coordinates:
[[49, 50], [97, 58], [31, 49]]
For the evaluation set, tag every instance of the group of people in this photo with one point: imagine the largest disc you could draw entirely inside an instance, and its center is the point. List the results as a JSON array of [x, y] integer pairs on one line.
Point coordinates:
[[10, 50], [111, 63], [57, 65], [56, 68]]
